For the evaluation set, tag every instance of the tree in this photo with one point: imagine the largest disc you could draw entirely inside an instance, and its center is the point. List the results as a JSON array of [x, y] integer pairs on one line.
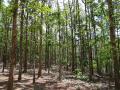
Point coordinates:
[[14, 46], [113, 43], [21, 40], [40, 47]]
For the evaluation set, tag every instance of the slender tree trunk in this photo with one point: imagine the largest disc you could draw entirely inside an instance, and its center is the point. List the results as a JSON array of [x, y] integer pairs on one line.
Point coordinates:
[[40, 49], [46, 49], [66, 33], [72, 37], [26, 46], [59, 31], [48, 45], [14, 45], [113, 44], [5, 51], [34, 59], [90, 46], [21, 41]]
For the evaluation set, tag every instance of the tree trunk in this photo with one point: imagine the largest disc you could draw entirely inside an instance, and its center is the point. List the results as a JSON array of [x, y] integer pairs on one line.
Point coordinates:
[[113, 44], [14, 45], [26, 46], [21, 41], [40, 50]]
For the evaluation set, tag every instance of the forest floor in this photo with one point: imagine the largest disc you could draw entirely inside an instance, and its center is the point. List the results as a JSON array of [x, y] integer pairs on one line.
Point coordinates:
[[49, 82]]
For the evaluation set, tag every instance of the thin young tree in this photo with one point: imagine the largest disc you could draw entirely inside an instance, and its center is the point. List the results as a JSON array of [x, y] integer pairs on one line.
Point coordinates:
[[40, 47], [113, 43], [26, 42], [14, 46], [21, 40]]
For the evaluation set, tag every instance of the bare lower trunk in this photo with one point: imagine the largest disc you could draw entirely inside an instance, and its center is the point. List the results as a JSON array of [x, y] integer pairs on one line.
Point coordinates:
[[113, 44], [14, 44]]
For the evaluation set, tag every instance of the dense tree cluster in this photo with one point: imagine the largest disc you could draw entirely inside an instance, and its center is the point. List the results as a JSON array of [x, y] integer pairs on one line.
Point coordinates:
[[81, 36]]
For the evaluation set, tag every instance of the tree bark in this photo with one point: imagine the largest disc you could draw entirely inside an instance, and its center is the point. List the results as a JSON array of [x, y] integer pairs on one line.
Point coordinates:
[[21, 41], [113, 44], [26, 46], [14, 45]]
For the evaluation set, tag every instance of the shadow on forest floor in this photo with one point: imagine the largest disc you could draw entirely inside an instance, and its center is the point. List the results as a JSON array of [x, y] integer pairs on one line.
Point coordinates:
[[49, 82]]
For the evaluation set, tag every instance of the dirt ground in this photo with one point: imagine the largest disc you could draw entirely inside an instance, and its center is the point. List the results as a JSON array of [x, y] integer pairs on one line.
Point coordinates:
[[48, 82]]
